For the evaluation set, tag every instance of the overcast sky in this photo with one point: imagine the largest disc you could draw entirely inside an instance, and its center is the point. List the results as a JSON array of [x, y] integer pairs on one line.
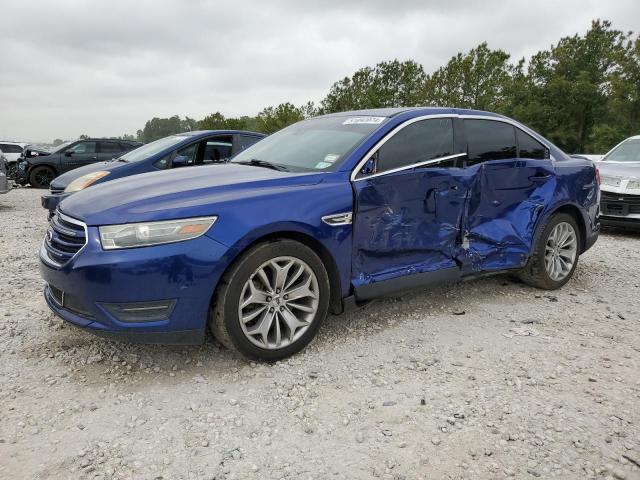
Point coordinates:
[[103, 68]]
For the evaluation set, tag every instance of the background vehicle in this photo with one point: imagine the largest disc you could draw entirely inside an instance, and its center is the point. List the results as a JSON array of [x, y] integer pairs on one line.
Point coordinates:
[[620, 174], [5, 186], [12, 152], [321, 215], [182, 150], [40, 170]]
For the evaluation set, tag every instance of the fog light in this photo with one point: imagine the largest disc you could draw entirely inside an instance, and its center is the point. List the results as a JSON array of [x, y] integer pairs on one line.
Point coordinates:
[[141, 311]]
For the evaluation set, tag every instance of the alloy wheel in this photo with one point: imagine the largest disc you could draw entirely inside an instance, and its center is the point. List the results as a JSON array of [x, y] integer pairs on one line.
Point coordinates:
[[561, 251], [278, 302]]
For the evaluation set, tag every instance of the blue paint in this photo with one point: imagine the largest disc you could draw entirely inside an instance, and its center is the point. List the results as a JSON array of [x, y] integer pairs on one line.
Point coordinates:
[[476, 219]]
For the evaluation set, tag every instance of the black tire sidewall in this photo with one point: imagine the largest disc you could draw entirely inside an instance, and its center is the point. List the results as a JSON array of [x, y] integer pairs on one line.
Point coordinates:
[[241, 273], [541, 250], [33, 173]]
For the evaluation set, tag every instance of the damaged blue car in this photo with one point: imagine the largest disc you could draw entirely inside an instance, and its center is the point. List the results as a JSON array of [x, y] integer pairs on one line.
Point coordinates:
[[319, 217]]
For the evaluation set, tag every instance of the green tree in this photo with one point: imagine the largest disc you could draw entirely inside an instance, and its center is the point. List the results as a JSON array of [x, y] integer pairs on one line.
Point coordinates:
[[57, 142], [567, 95], [388, 84], [272, 119], [477, 79], [157, 128]]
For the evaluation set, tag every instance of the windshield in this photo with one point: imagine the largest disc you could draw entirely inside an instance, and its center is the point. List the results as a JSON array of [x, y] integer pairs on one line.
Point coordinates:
[[152, 148], [60, 147], [315, 144], [627, 151]]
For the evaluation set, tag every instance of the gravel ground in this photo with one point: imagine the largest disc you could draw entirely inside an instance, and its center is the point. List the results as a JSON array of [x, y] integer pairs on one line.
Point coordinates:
[[486, 379]]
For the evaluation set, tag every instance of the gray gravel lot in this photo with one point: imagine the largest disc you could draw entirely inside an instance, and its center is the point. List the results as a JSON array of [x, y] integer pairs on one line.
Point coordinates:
[[485, 379]]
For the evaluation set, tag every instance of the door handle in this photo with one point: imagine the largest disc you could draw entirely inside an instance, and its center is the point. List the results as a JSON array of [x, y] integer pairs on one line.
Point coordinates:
[[94, 157], [539, 178]]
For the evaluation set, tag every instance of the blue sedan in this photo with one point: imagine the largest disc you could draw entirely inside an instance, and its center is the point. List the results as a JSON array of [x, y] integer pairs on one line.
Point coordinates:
[[319, 217], [182, 150]]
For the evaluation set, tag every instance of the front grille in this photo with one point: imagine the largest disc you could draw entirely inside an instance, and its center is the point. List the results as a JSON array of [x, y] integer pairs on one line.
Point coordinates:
[[65, 237], [619, 203], [56, 190]]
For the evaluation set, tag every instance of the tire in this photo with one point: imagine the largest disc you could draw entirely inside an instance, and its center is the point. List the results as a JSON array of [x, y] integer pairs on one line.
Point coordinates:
[[254, 275], [41, 176], [536, 273]]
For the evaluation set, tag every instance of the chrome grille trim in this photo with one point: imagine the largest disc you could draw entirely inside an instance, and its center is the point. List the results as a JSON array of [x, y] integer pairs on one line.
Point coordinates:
[[58, 252]]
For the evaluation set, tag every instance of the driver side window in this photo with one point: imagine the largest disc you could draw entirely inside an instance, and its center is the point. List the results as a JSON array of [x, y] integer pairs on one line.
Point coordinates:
[[185, 157], [416, 143], [83, 147]]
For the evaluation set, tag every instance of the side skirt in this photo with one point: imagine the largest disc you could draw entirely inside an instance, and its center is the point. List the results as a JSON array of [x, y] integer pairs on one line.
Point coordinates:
[[407, 282]]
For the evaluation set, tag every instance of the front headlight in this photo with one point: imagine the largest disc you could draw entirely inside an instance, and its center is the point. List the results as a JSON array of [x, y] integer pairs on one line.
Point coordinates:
[[132, 235], [634, 184], [84, 181]]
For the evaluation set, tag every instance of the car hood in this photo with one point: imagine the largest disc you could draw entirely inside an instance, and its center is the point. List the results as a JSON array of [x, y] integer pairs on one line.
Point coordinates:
[[181, 193], [61, 182], [625, 170]]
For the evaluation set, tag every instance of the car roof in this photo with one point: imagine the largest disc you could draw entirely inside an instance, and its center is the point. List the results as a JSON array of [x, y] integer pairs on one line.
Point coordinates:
[[418, 111], [204, 133]]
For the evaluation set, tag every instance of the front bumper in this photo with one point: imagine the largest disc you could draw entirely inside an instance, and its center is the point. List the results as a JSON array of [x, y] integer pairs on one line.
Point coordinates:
[[620, 210], [51, 200], [185, 273]]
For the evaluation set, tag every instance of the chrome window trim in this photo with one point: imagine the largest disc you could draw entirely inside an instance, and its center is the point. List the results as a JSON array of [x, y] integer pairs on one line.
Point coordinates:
[[388, 136], [514, 124]]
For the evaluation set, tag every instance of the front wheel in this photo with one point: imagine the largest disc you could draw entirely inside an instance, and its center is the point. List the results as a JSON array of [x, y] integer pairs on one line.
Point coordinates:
[[271, 302], [555, 256], [41, 176]]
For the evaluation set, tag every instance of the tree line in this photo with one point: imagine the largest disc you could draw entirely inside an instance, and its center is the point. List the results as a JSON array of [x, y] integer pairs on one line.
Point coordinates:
[[583, 93]]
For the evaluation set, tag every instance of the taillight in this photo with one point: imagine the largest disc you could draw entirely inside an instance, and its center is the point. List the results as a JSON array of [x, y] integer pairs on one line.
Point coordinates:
[[598, 176]]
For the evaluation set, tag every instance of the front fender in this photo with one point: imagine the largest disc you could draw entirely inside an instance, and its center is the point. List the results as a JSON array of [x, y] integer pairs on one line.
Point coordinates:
[[241, 224]]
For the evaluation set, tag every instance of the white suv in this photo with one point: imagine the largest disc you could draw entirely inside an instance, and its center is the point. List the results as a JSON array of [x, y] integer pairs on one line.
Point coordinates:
[[12, 151]]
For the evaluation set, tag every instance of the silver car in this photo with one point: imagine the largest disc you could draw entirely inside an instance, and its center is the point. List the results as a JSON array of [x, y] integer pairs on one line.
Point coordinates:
[[620, 185], [5, 186]]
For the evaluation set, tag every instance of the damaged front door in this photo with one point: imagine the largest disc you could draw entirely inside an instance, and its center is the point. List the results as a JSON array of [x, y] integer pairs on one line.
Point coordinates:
[[513, 181], [410, 197]]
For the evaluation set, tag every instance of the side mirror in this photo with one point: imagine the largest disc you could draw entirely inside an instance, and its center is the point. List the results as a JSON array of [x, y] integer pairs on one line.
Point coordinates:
[[180, 161], [68, 153]]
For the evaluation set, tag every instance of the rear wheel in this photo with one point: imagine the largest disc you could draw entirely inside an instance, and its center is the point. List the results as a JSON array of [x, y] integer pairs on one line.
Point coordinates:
[[271, 302], [41, 176], [555, 257]]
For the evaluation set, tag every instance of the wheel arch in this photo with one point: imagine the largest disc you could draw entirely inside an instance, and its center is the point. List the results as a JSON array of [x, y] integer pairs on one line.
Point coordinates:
[[329, 262], [575, 212]]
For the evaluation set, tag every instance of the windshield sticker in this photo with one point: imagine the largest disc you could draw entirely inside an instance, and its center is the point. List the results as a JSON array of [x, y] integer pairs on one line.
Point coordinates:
[[321, 165], [331, 157], [364, 120]]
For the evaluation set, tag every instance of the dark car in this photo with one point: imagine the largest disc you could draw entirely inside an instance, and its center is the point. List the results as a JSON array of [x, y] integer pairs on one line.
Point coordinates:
[[182, 150], [620, 172], [41, 169], [322, 215]]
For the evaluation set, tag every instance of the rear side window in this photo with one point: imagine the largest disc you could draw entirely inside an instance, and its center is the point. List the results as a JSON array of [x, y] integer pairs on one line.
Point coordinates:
[[489, 140], [8, 148], [529, 147], [109, 147], [419, 142], [216, 151]]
